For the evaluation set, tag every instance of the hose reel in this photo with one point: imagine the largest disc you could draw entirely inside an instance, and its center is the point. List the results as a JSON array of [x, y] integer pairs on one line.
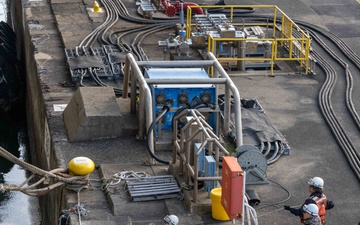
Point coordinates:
[[253, 162]]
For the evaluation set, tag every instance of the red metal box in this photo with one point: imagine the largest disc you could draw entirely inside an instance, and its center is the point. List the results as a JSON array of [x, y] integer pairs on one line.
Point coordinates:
[[232, 187]]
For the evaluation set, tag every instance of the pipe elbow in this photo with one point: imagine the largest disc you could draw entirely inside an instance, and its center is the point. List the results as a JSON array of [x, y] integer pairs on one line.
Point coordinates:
[[197, 11]]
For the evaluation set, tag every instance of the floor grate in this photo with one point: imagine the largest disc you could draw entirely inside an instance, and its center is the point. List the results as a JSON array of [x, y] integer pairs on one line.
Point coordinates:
[[152, 188]]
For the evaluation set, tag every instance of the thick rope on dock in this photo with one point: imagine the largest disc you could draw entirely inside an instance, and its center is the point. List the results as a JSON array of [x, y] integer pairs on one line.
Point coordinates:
[[40, 177]]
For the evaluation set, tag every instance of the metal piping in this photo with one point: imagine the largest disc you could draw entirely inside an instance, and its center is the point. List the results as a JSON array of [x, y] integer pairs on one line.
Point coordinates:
[[196, 10], [182, 81], [182, 14], [145, 97], [133, 72], [184, 63], [126, 77], [237, 106]]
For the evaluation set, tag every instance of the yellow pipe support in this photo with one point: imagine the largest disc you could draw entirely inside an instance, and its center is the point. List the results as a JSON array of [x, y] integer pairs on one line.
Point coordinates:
[[290, 41], [188, 22], [274, 19], [300, 45]]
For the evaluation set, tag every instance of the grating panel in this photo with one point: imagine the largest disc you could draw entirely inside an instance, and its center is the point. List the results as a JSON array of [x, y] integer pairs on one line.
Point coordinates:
[[152, 188]]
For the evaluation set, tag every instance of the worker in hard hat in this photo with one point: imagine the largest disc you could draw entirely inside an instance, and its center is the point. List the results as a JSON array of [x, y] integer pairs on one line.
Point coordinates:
[[316, 185], [171, 220], [311, 214]]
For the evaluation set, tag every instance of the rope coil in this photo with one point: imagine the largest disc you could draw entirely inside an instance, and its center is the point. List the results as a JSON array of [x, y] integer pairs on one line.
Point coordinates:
[[118, 177], [40, 177], [2, 189]]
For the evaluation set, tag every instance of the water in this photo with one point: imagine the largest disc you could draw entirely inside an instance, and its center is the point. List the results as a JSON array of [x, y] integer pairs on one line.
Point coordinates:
[[3, 10], [15, 207]]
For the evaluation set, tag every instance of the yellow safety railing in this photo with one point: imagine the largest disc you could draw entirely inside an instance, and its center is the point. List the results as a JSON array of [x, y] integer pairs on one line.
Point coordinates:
[[297, 44]]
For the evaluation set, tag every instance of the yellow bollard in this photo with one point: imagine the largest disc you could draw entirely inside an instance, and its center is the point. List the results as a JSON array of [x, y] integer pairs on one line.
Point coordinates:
[[217, 210], [81, 166], [96, 7]]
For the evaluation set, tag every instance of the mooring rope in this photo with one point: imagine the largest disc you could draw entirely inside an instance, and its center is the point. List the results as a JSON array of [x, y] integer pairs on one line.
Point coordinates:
[[120, 176], [59, 175]]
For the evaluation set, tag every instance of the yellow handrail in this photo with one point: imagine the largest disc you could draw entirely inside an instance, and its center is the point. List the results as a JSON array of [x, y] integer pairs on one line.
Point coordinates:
[[298, 48]]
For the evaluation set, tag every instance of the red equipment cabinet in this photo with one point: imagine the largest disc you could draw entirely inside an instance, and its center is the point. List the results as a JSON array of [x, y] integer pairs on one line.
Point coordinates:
[[171, 8], [232, 187]]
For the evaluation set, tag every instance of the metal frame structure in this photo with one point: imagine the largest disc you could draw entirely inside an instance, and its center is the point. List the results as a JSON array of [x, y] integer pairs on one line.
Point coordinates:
[[298, 47], [134, 74], [182, 147]]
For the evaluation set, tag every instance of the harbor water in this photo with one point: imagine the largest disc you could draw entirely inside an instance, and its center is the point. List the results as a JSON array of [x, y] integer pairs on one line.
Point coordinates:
[[15, 207], [3, 10]]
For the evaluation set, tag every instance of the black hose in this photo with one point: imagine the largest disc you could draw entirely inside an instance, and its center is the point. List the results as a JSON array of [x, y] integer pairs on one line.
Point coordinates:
[[166, 108], [195, 102], [236, 11], [177, 113]]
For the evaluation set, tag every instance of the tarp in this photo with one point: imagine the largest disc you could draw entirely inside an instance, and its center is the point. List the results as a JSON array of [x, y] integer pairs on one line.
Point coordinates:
[[257, 127]]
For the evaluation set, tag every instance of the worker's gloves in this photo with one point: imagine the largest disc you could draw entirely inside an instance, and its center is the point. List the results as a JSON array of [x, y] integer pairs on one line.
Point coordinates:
[[286, 207]]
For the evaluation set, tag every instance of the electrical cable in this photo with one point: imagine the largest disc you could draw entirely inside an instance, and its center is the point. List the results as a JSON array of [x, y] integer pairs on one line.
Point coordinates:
[[268, 148], [195, 101], [276, 203], [276, 154], [246, 10], [261, 148], [166, 108], [282, 149], [326, 91], [275, 151]]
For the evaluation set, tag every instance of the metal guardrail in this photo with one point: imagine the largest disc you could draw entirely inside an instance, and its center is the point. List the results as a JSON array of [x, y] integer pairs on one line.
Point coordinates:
[[144, 99], [182, 147], [282, 36]]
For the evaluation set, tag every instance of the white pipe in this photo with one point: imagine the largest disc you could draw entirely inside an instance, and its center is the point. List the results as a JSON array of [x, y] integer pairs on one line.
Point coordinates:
[[181, 63], [237, 105], [189, 81], [132, 66], [145, 96]]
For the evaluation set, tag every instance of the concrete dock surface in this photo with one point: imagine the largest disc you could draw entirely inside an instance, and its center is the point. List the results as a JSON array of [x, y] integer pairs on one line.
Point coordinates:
[[289, 100]]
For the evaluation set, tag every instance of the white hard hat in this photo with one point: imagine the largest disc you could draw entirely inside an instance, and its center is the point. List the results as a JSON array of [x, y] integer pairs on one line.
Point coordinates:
[[171, 219], [312, 209], [316, 182]]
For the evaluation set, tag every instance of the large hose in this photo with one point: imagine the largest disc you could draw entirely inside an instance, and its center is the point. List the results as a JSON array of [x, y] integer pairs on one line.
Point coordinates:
[[166, 108], [195, 102]]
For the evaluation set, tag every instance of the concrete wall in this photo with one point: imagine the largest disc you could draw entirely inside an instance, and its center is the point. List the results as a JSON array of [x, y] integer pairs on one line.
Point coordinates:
[[26, 25]]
